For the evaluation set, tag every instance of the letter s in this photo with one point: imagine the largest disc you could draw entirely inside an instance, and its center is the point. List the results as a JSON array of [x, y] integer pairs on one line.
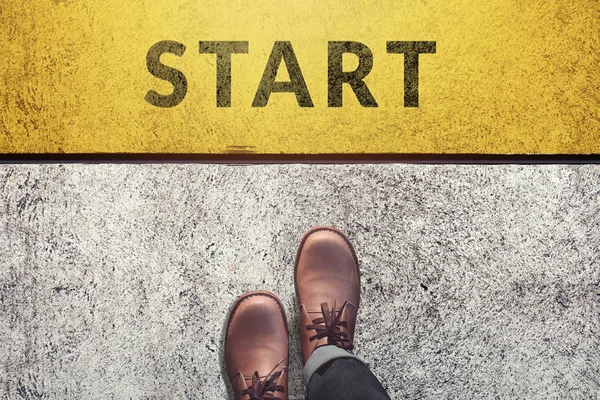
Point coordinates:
[[164, 72]]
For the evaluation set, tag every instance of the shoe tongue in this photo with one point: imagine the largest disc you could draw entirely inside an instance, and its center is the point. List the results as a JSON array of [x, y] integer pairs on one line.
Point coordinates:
[[339, 307], [262, 366]]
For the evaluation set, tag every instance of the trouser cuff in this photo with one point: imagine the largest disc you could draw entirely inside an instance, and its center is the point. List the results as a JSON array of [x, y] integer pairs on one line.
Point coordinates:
[[320, 357]]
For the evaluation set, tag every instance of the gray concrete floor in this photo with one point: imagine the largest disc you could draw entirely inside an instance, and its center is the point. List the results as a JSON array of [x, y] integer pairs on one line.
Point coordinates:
[[477, 281]]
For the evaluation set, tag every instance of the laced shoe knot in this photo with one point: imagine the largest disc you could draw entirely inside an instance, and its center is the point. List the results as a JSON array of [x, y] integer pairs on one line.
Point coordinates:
[[264, 389], [329, 326]]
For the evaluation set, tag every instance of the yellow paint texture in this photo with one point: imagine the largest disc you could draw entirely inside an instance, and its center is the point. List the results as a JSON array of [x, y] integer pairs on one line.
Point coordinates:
[[509, 76]]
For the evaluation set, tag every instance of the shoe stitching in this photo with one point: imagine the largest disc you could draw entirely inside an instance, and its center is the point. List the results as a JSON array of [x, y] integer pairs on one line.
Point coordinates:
[[272, 297], [344, 238], [328, 229]]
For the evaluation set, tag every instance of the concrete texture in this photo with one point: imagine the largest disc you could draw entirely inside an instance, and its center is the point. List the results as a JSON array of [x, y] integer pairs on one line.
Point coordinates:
[[478, 281]]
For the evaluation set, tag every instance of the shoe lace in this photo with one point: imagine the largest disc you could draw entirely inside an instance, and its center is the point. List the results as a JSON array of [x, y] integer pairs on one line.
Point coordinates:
[[259, 388], [329, 326]]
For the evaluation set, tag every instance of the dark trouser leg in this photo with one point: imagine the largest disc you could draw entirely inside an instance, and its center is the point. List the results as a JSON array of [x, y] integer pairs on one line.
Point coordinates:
[[344, 379]]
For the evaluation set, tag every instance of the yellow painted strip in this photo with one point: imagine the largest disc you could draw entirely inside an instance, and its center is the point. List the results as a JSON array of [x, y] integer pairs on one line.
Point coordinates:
[[507, 76]]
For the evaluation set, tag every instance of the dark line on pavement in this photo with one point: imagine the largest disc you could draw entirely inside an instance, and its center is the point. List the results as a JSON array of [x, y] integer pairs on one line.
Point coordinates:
[[239, 157]]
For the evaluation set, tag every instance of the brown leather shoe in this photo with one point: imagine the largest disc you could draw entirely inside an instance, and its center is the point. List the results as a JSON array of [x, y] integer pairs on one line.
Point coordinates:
[[328, 289], [256, 347]]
